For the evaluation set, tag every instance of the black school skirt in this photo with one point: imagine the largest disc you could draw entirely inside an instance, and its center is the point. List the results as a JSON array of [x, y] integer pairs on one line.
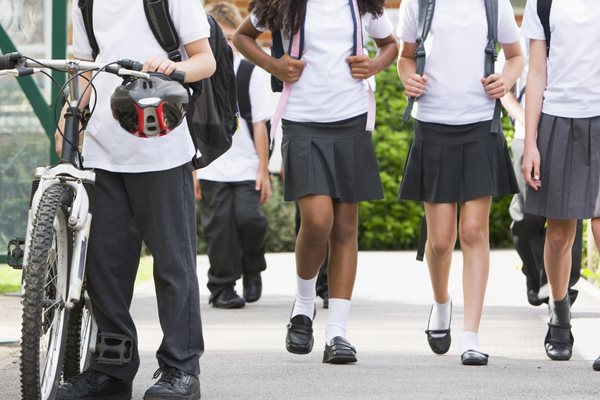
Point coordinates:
[[457, 163], [334, 159]]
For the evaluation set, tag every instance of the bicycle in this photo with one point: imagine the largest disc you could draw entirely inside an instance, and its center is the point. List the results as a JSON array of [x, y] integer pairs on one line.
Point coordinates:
[[58, 327]]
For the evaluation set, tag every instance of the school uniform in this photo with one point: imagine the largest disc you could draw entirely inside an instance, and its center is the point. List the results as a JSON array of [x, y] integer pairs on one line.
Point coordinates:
[[144, 192], [454, 157], [230, 215], [568, 136], [326, 148]]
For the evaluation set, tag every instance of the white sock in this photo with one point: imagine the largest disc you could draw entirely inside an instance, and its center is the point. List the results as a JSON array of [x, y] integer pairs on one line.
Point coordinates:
[[469, 341], [440, 317], [305, 297], [339, 310]]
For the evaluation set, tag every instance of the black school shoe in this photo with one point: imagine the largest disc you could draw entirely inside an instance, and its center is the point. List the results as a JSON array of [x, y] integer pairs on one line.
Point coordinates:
[[227, 298], [596, 364], [559, 342], [173, 384], [252, 287], [92, 385], [474, 357], [440, 344], [339, 351], [299, 337]]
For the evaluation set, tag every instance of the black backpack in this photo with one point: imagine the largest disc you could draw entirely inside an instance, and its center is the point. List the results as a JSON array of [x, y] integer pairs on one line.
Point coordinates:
[[212, 115], [426, 10], [244, 73]]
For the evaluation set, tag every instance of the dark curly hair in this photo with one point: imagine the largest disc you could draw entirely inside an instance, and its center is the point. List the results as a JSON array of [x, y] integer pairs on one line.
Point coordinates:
[[287, 14]]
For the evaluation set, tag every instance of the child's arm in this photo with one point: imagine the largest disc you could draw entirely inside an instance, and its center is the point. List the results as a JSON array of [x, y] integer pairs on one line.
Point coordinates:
[[261, 143], [414, 84], [200, 64], [534, 97], [497, 85], [363, 67], [285, 68]]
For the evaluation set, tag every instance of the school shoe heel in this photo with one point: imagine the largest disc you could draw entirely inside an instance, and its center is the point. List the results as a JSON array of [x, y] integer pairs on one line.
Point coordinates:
[[439, 344], [559, 342]]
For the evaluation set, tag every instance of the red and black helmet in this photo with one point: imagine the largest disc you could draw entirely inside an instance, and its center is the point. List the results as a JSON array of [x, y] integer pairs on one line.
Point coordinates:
[[150, 107]]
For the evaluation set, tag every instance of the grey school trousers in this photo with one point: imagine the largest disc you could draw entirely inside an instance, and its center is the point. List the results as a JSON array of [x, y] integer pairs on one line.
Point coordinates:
[[157, 208], [235, 231]]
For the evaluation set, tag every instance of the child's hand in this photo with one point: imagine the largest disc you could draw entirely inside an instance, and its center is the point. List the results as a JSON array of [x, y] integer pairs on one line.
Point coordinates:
[[288, 69], [160, 64], [531, 167], [494, 86], [361, 66], [415, 85]]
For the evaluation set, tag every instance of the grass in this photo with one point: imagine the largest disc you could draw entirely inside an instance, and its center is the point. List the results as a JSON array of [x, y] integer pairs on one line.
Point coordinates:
[[10, 279]]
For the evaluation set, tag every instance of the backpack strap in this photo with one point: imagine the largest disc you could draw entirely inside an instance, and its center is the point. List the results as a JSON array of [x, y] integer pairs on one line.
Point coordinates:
[[543, 10], [491, 55], [357, 49], [161, 24], [426, 9], [242, 79], [86, 7]]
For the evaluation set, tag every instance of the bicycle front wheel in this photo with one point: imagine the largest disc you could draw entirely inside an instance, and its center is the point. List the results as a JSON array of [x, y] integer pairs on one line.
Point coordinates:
[[46, 276]]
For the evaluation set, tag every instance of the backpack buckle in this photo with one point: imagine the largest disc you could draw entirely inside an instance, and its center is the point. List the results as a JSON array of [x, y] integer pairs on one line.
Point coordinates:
[[174, 55]]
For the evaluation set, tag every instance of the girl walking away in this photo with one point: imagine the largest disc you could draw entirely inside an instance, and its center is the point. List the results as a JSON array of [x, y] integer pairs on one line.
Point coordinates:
[[328, 156], [561, 160], [455, 159]]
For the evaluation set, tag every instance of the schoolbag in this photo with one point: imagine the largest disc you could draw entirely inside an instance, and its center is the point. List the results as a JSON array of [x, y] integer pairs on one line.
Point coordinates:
[[212, 115], [543, 11], [426, 10], [244, 73]]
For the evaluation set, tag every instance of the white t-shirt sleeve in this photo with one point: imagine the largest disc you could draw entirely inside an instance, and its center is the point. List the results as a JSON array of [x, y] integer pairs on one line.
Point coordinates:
[[408, 21], [531, 27], [254, 21], [378, 27], [260, 95], [81, 45], [190, 20], [508, 31]]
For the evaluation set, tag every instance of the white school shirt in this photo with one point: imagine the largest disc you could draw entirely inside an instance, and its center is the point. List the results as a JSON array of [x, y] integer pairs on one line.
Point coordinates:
[[573, 69], [240, 162], [326, 91], [455, 58], [122, 31]]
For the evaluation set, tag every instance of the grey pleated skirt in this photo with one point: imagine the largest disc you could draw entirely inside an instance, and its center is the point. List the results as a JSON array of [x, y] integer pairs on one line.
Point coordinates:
[[569, 169], [334, 159], [457, 163]]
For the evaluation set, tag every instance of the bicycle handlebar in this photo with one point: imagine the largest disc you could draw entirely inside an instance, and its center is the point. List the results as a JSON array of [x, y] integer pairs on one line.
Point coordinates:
[[17, 65]]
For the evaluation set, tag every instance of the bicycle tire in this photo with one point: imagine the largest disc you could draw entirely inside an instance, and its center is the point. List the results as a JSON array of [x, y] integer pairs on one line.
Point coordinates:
[[80, 338], [45, 318]]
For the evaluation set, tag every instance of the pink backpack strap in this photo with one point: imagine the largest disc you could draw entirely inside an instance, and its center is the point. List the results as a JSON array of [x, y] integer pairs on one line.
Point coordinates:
[[359, 50], [287, 87]]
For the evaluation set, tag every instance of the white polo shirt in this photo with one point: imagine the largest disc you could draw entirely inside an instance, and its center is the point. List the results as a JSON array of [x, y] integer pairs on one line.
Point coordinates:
[[455, 60], [326, 91], [573, 73], [122, 31]]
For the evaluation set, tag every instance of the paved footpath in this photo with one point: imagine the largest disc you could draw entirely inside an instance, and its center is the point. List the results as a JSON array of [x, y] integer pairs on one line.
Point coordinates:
[[245, 356]]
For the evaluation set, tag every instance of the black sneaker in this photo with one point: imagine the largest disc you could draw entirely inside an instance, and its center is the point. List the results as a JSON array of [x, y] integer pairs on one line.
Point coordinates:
[[227, 298], [173, 384], [92, 385]]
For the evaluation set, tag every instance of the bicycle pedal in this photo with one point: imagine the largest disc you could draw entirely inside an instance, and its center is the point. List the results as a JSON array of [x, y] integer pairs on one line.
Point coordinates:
[[15, 253], [113, 348]]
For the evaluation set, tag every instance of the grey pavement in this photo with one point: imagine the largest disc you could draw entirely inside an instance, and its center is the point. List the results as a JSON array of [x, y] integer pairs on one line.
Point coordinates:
[[245, 356]]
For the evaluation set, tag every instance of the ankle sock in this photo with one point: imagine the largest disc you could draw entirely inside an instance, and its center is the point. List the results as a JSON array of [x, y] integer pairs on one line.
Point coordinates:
[[339, 311], [305, 297], [469, 341], [440, 317], [560, 311]]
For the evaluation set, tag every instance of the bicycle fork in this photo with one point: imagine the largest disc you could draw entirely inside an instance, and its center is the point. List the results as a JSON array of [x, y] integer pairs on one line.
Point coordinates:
[[79, 218]]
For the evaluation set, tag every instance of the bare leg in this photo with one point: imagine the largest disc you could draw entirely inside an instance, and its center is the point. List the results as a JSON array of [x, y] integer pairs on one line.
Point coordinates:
[[311, 244], [441, 238], [474, 242], [343, 251], [557, 255]]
